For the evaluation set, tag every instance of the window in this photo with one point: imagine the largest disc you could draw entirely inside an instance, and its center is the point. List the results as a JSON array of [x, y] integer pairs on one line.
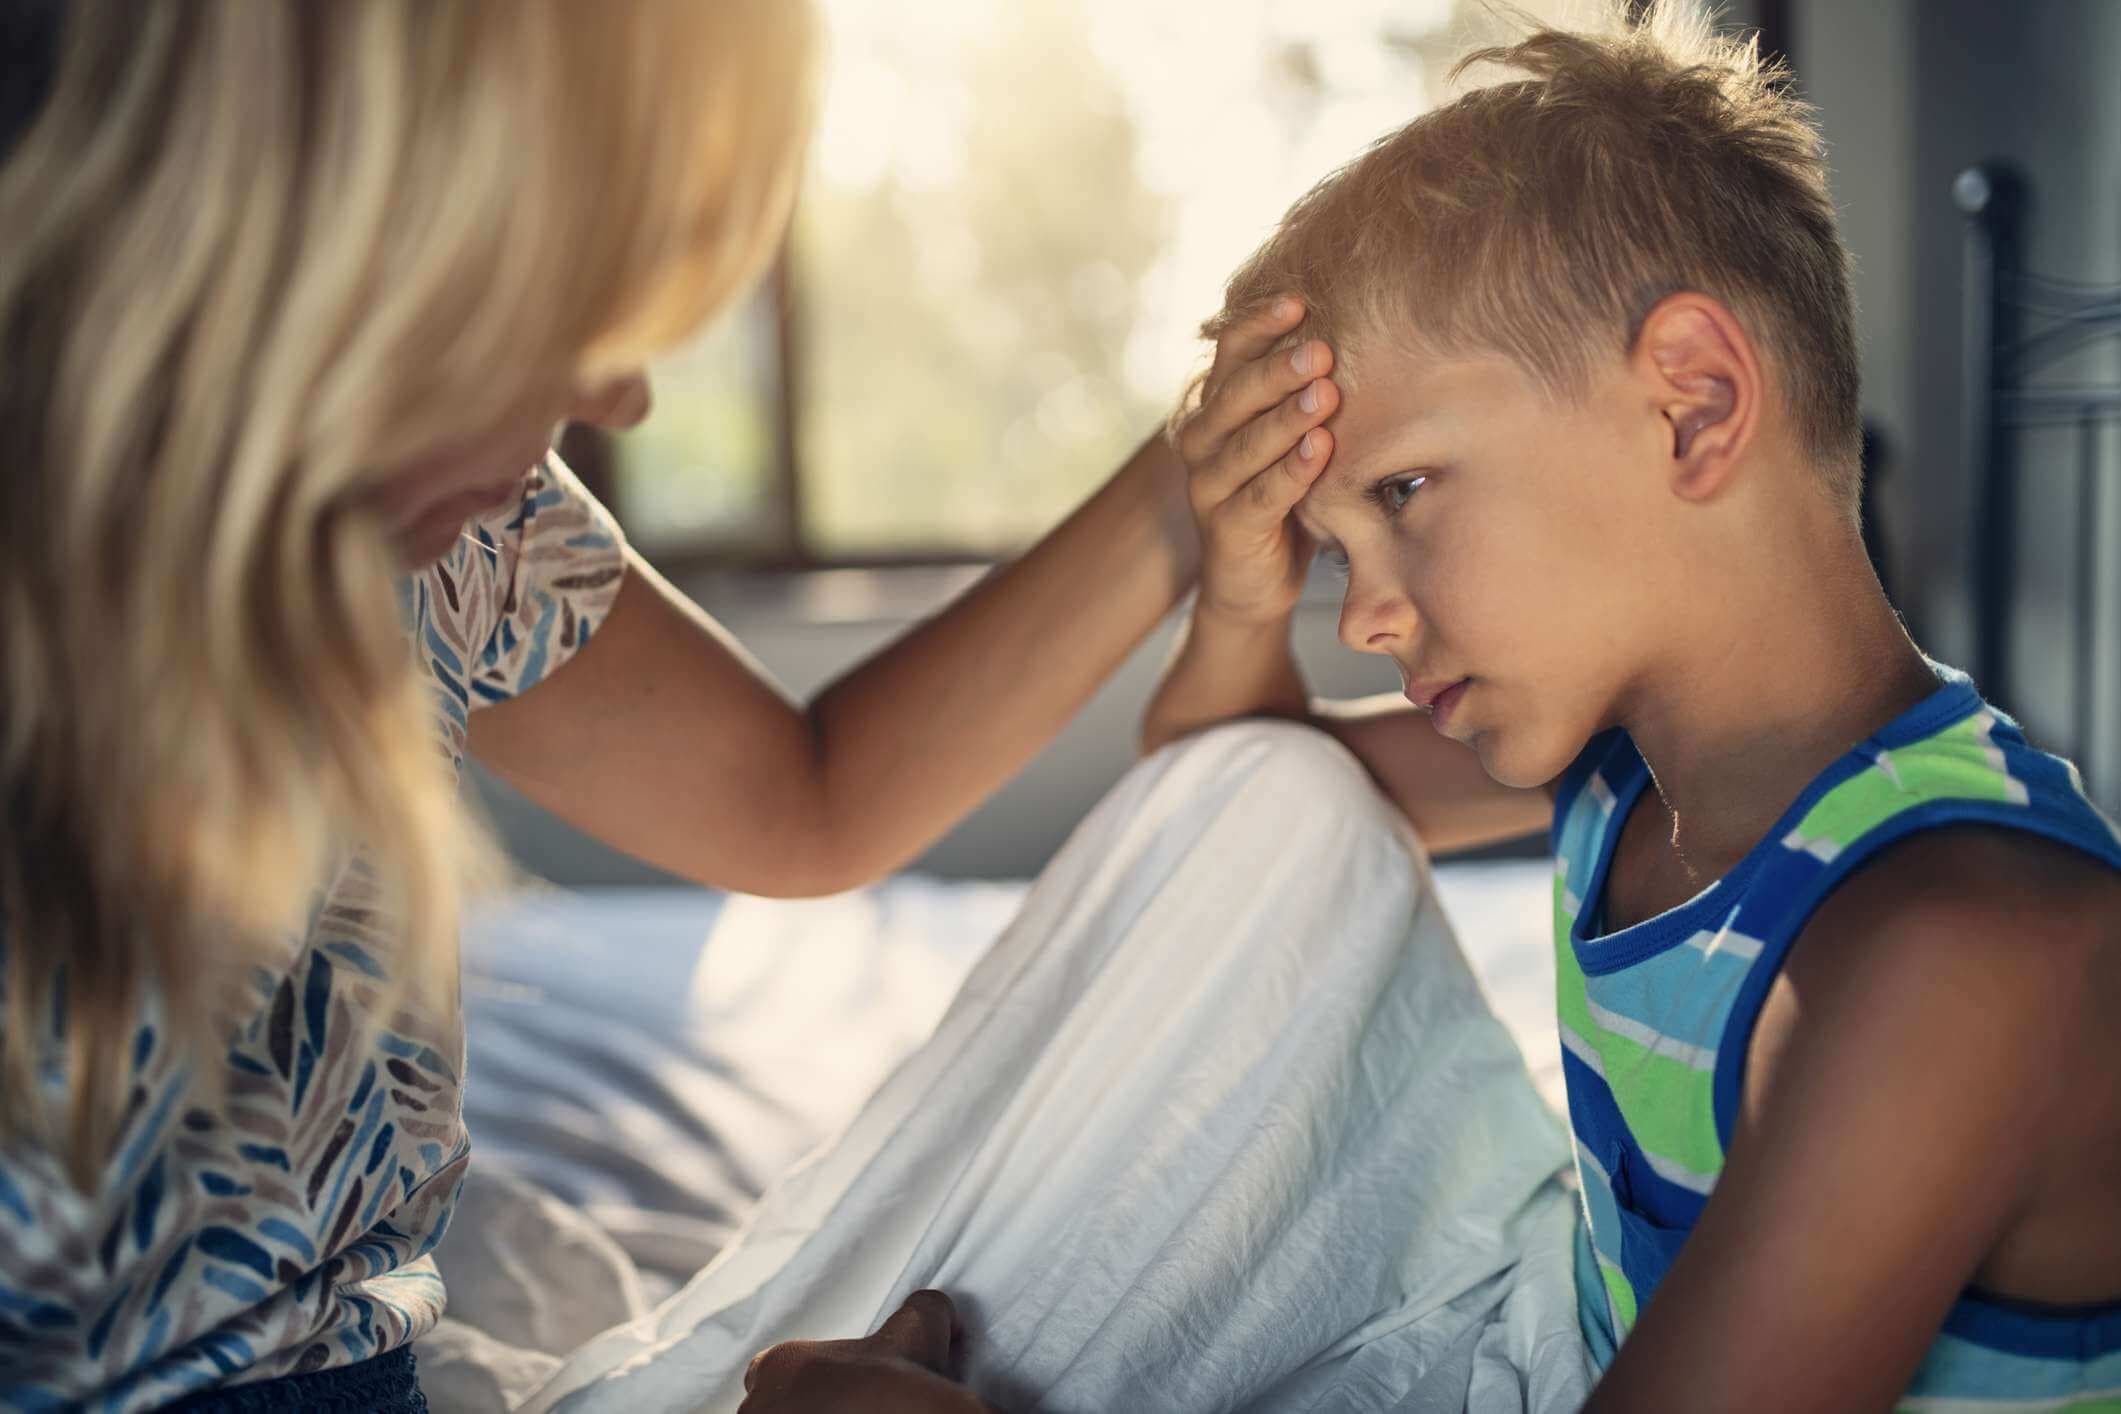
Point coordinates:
[[704, 473], [1015, 217]]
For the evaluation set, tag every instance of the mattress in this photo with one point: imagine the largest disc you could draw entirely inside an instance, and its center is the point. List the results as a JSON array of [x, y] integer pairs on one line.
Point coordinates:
[[654, 1057]]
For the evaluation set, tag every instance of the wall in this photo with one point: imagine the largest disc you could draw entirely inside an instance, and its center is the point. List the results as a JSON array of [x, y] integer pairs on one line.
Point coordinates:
[[1854, 62], [1910, 94]]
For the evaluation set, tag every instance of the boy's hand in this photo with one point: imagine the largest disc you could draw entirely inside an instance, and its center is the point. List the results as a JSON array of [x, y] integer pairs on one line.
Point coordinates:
[[905, 1368], [1252, 449]]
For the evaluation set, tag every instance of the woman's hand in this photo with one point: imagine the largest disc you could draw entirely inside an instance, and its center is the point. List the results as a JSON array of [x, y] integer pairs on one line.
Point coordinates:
[[905, 1368], [1252, 449]]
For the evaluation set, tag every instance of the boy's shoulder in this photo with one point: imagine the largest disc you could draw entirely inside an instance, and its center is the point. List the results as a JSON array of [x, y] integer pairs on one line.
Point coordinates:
[[2024, 919], [1961, 937], [1979, 888]]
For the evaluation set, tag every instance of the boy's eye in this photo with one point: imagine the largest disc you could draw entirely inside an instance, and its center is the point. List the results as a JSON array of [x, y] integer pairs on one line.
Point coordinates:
[[1394, 495]]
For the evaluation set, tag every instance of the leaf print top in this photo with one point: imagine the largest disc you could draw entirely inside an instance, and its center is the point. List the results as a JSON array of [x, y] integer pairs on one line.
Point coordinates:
[[288, 1229]]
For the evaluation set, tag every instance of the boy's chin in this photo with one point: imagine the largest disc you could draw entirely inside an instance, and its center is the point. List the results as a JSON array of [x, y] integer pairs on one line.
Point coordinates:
[[1520, 760]]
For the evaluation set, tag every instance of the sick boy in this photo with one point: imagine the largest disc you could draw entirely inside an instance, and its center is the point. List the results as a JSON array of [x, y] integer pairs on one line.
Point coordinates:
[[1564, 376]]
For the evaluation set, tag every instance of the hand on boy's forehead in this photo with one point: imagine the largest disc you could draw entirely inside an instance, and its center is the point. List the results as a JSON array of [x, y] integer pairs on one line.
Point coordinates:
[[1380, 419], [1406, 410]]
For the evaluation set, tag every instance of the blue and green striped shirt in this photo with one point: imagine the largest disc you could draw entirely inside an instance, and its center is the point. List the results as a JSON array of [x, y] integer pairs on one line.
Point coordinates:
[[1656, 1019]]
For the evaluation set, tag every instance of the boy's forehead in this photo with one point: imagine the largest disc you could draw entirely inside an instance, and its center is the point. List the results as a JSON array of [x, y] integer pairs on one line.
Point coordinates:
[[1387, 399], [1401, 402], [1405, 409]]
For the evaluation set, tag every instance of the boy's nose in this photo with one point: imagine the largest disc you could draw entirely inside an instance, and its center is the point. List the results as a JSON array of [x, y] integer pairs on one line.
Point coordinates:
[[1375, 621]]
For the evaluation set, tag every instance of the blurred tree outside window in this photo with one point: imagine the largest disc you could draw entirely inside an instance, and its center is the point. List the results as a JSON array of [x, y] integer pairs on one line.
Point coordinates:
[[1015, 216], [701, 474]]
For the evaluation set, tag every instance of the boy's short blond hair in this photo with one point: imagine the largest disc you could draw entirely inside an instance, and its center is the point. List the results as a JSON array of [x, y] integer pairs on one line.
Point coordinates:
[[1543, 217]]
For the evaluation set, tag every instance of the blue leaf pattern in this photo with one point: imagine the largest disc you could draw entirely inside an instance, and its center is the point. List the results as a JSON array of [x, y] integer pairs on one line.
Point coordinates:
[[358, 957], [232, 1246], [266, 1154], [100, 1331], [147, 1201], [247, 1065], [305, 1067], [242, 1288], [316, 1000], [169, 1273], [289, 1227], [282, 1231], [368, 1081], [380, 1150]]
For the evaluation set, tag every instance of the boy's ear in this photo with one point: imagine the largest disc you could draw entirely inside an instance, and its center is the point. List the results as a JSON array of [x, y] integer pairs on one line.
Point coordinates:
[[1705, 381]]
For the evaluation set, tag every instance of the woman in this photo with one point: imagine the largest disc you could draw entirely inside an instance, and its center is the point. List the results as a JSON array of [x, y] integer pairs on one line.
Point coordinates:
[[294, 296]]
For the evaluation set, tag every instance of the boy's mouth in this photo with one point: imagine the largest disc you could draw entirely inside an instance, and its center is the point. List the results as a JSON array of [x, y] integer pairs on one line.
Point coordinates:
[[1438, 698], [1445, 703], [1425, 694]]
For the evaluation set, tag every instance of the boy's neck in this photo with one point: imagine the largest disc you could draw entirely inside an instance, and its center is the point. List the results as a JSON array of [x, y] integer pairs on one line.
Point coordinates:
[[1734, 727]]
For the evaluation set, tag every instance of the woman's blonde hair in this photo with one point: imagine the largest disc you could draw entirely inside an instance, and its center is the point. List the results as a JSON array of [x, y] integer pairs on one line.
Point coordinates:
[[1543, 214], [254, 254]]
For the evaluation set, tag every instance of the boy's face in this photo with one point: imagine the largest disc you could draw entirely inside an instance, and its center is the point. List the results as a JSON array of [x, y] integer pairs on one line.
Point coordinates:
[[1509, 551]]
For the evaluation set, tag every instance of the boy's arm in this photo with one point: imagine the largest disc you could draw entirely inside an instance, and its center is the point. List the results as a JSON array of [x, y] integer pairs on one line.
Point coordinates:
[[903, 1368], [1909, 1074], [1231, 668]]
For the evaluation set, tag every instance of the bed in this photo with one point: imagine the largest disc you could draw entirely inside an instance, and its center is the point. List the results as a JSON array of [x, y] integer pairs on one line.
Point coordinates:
[[652, 1057]]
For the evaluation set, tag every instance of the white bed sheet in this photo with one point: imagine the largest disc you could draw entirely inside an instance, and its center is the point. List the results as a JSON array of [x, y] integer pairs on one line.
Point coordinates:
[[656, 1056], [643, 1062]]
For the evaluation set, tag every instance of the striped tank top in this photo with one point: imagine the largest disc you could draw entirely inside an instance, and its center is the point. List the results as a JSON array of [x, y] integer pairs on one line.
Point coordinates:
[[1656, 1019]]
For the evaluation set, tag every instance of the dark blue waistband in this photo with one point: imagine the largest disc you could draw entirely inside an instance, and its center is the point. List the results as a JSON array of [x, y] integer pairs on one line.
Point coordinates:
[[385, 1384]]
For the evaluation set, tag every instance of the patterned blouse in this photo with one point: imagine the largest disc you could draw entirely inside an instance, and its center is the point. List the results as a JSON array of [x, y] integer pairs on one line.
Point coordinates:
[[288, 1230]]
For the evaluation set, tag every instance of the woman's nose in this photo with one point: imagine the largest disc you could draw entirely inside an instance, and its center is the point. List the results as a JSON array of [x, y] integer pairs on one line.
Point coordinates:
[[618, 404]]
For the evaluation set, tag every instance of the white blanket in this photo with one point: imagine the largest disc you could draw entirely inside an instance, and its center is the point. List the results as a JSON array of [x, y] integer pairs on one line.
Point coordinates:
[[1222, 1122]]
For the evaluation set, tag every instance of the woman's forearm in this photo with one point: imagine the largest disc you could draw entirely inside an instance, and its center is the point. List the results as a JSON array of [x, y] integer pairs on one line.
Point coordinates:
[[914, 738], [1225, 668]]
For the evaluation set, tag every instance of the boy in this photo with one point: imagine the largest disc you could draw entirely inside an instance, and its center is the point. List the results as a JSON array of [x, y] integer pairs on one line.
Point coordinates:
[[1838, 952]]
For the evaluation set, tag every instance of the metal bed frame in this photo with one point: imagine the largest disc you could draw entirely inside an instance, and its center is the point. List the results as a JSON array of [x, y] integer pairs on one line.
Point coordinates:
[[2018, 325]]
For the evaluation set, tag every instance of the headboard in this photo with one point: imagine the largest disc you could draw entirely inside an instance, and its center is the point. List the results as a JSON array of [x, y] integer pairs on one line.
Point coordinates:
[[2018, 327]]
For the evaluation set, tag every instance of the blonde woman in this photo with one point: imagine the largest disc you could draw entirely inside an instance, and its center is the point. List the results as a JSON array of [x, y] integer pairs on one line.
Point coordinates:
[[293, 298]]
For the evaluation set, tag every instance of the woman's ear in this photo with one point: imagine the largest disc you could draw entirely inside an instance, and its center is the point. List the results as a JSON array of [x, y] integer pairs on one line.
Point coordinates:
[[1705, 382]]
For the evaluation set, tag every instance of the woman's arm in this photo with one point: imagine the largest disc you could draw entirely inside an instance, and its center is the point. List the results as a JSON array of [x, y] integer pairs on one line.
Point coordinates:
[[664, 739]]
